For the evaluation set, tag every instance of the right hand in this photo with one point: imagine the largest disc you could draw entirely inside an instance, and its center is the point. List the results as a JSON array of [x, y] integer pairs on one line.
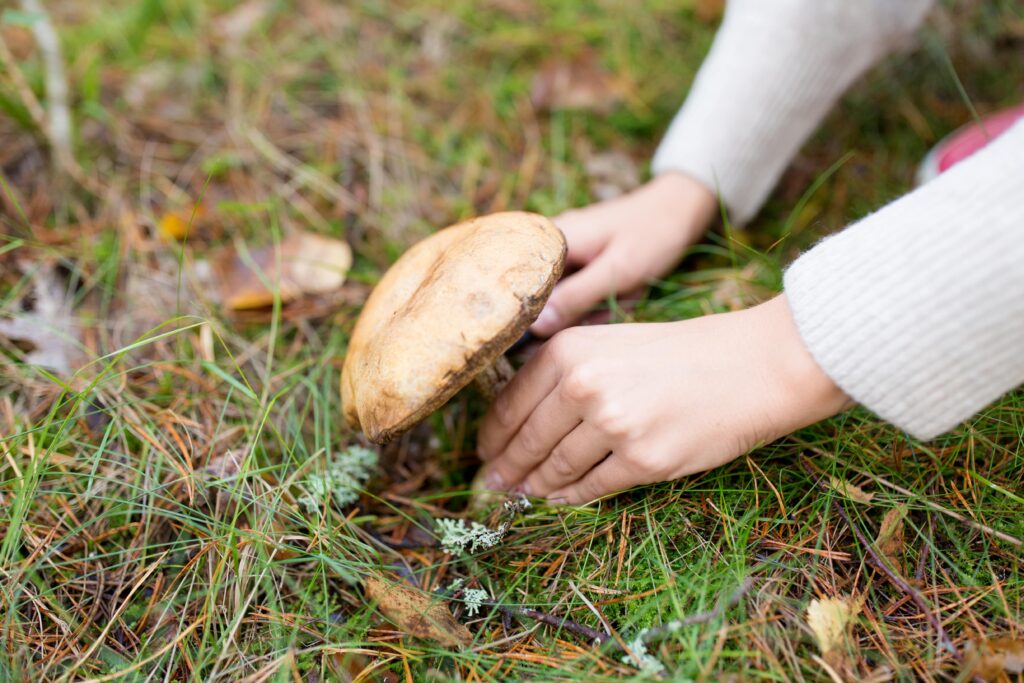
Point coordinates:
[[621, 244]]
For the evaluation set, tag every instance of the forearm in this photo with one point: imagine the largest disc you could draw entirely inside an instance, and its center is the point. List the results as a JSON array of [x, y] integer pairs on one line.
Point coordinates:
[[774, 71], [917, 311]]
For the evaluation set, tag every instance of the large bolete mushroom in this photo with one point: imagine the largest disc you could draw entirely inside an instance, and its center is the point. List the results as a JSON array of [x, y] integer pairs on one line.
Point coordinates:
[[443, 315]]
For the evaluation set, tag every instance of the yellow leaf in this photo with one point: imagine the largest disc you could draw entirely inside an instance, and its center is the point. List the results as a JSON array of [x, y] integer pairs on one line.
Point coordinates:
[[177, 225], [416, 613], [849, 490], [829, 621]]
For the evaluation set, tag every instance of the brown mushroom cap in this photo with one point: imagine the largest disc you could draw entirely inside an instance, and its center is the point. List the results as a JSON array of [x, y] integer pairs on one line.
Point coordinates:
[[444, 312]]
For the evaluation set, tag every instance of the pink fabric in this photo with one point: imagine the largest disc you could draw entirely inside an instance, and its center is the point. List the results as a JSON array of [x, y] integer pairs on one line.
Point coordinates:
[[973, 137]]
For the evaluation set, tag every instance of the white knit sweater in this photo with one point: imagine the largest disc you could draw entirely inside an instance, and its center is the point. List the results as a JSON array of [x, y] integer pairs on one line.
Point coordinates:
[[916, 311]]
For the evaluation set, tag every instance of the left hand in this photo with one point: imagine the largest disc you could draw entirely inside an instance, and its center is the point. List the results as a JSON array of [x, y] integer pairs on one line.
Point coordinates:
[[601, 409]]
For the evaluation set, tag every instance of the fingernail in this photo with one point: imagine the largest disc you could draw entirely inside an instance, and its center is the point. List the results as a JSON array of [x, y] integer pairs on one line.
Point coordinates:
[[524, 489], [558, 500], [548, 318], [494, 481]]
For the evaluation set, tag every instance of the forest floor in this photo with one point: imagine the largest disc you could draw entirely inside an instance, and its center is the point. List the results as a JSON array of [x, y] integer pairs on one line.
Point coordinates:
[[158, 447]]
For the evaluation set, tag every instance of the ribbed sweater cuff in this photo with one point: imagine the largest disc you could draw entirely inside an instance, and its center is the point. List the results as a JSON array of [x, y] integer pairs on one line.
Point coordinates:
[[917, 311], [773, 72]]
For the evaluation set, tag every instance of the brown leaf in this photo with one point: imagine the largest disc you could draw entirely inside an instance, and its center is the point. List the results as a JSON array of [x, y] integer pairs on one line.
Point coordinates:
[[42, 321], [416, 613], [993, 657], [577, 83], [709, 11], [304, 263], [890, 536], [848, 490]]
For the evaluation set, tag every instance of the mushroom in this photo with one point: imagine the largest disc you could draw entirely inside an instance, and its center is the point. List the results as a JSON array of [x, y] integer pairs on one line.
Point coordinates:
[[443, 316]]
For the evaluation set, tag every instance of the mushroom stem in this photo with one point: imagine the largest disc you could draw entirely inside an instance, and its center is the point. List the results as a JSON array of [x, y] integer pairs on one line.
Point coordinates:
[[494, 377]]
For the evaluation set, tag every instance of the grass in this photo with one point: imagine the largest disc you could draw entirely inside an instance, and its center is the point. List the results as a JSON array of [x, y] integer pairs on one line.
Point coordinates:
[[149, 501]]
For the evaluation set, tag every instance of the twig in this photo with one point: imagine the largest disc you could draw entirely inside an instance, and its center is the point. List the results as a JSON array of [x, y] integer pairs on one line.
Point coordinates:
[[894, 578], [54, 125], [59, 124], [592, 635]]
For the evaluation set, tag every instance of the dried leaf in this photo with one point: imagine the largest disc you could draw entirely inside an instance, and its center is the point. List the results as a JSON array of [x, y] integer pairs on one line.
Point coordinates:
[[579, 83], [848, 490], [611, 174], [890, 536], [995, 656], [44, 321], [709, 11], [829, 621], [304, 263], [416, 613]]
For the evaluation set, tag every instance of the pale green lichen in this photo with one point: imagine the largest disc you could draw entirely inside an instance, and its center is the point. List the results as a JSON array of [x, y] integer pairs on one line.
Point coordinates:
[[457, 536], [648, 664], [474, 599], [341, 481]]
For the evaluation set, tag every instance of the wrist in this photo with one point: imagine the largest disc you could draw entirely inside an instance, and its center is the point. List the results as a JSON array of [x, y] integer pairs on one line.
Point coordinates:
[[807, 393], [688, 203]]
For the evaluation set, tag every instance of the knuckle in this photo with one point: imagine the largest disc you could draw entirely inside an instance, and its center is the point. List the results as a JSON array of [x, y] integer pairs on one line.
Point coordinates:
[[615, 422], [529, 443], [560, 464], [580, 383], [501, 410]]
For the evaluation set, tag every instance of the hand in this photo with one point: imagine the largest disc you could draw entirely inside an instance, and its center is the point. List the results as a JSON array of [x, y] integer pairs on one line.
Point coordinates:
[[623, 243], [601, 409]]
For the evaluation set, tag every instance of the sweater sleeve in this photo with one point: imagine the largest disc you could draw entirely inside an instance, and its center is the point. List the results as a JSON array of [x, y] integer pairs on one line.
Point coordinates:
[[773, 72], [917, 311]]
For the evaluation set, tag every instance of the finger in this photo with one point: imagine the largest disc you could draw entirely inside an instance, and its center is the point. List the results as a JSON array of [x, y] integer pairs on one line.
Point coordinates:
[[553, 419], [584, 242], [569, 461], [576, 295], [528, 387], [611, 476]]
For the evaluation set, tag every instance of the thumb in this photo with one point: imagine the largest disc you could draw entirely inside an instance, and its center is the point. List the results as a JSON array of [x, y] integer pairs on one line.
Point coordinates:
[[575, 295]]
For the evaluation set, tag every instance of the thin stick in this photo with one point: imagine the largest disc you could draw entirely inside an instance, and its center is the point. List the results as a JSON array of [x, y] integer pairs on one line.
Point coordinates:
[[894, 578], [593, 635], [59, 124], [1012, 540]]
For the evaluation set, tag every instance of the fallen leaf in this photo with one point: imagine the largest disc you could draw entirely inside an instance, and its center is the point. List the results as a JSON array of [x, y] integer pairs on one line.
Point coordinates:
[[829, 621], [890, 536], [43, 321], [851, 491], [304, 263], [991, 658], [577, 83], [709, 11], [611, 174], [416, 613]]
